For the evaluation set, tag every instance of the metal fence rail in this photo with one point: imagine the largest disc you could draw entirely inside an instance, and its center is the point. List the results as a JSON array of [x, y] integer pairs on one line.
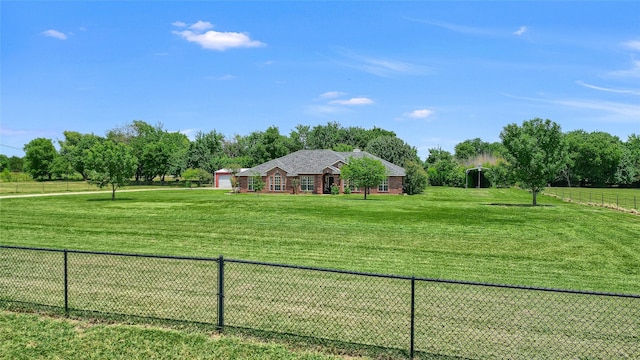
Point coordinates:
[[600, 197], [423, 317]]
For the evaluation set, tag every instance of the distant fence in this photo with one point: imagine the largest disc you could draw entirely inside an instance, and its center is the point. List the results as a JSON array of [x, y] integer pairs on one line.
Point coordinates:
[[420, 317], [625, 199]]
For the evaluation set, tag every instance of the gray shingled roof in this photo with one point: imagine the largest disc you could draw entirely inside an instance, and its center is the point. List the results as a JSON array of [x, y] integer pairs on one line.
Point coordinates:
[[314, 162]]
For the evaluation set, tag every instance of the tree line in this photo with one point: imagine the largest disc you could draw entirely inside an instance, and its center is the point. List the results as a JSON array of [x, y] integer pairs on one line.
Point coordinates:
[[144, 152]]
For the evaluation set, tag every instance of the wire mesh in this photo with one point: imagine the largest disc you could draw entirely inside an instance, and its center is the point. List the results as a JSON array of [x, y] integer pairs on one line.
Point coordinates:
[[345, 307], [451, 319], [32, 276], [474, 321], [161, 288]]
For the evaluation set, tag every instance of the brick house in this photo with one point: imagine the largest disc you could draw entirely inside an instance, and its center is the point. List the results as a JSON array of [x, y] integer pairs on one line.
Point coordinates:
[[315, 171]]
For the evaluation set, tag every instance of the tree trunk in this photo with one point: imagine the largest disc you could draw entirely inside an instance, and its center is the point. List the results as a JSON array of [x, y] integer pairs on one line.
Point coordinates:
[[535, 196], [113, 192], [366, 190]]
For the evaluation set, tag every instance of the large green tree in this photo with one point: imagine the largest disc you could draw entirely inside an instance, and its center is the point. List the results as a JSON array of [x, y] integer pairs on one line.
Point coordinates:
[[111, 164], [206, 152], [39, 156], [392, 149], [593, 157], [536, 151], [364, 172], [74, 147]]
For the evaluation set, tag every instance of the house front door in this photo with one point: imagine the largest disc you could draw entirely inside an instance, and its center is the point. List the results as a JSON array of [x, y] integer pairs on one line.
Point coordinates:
[[328, 182]]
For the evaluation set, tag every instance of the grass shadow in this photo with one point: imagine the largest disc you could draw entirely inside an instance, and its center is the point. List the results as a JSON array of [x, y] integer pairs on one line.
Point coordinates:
[[109, 199], [518, 205]]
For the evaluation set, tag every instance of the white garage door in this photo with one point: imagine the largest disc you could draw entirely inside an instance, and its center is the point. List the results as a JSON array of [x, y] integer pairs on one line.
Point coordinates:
[[224, 181]]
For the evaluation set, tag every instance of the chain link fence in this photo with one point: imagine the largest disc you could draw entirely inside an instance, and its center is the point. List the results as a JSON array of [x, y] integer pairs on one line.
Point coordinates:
[[423, 318], [621, 199]]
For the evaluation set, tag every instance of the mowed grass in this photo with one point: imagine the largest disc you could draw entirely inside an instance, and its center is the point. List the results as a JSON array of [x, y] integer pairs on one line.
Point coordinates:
[[487, 235], [27, 336]]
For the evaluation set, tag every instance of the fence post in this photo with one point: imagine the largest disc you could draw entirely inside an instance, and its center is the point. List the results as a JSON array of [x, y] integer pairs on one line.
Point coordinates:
[[220, 293], [413, 317], [66, 284]]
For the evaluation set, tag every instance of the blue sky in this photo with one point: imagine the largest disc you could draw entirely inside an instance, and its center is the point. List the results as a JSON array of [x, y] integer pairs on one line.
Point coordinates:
[[436, 73]]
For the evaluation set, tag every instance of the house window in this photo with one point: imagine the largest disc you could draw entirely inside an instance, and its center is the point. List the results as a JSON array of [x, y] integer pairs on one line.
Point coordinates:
[[384, 185], [250, 184], [276, 183], [307, 183], [352, 188]]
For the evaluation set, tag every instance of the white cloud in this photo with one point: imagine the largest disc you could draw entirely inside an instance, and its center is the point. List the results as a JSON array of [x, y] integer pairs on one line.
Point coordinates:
[[201, 26], [617, 111], [353, 101], [522, 30], [215, 40], [420, 114], [633, 72], [633, 45], [620, 91], [221, 78], [54, 34], [381, 67], [178, 24], [331, 94], [462, 29]]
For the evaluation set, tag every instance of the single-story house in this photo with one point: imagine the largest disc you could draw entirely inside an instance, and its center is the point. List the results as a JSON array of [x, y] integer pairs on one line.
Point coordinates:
[[223, 177], [315, 171]]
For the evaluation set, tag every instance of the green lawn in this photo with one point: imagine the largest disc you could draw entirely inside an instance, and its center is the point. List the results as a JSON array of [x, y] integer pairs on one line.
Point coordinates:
[[62, 186], [488, 235], [26, 336]]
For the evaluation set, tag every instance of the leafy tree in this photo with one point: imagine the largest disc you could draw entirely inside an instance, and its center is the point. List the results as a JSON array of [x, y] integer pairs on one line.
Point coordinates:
[[5, 175], [593, 157], [324, 136], [298, 138], [471, 148], [443, 169], [74, 147], [364, 173], [201, 175], [416, 178], [143, 140], [4, 162], [633, 147], [269, 145], [342, 147], [39, 156], [61, 167], [626, 172], [111, 164], [536, 151], [498, 174], [177, 145], [258, 183], [16, 164], [206, 152], [392, 149]]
